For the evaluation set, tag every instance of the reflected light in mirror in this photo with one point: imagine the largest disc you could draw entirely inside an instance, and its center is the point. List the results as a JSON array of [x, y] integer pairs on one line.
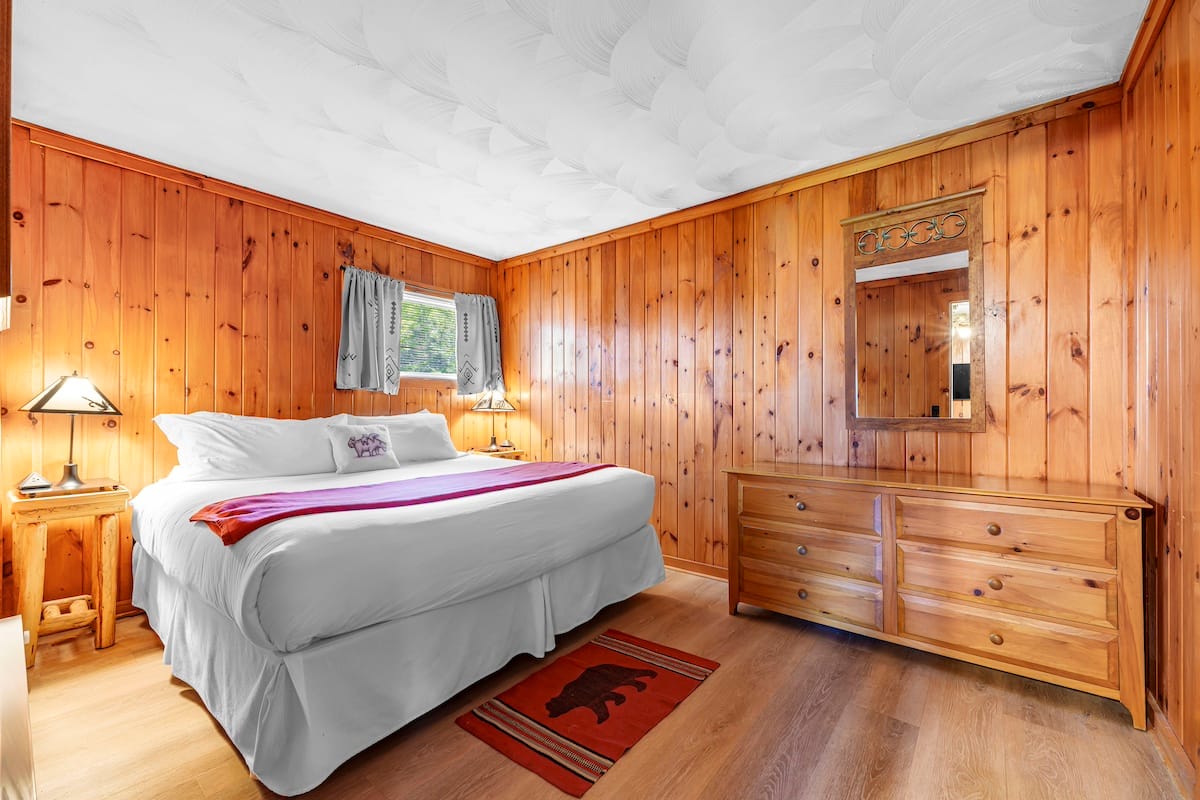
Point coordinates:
[[914, 266], [960, 359]]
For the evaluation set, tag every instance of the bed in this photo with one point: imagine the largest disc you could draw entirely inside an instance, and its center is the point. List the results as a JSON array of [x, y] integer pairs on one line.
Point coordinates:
[[316, 636]]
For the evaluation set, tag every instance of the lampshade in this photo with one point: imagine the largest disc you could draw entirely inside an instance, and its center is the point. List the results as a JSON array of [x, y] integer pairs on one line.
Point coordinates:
[[71, 394], [493, 401]]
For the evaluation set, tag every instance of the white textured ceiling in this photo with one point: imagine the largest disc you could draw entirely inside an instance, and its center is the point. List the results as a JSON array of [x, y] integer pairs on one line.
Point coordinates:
[[501, 126]]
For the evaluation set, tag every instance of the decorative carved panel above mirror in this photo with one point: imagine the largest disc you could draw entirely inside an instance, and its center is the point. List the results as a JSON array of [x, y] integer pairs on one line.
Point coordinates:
[[914, 316]]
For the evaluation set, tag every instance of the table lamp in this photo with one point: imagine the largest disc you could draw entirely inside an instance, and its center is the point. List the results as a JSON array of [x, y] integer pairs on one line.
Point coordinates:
[[493, 401], [71, 394]]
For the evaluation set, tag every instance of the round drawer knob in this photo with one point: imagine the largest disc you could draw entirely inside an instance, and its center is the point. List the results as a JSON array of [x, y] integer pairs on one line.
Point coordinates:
[[802, 594], [995, 583], [800, 506], [993, 529], [801, 550], [996, 638]]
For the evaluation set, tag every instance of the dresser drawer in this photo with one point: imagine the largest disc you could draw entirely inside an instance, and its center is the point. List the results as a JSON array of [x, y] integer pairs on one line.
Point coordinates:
[[1075, 652], [838, 554], [820, 506], [771, 585], [1083, 537], [1071, 593]]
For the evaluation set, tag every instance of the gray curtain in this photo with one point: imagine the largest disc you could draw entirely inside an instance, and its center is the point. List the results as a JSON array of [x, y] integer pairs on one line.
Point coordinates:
[[478, 346], [369, 349]]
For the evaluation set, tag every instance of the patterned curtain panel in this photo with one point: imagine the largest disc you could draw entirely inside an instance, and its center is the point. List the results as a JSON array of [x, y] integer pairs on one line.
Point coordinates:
[[478, 346], [369, 350]]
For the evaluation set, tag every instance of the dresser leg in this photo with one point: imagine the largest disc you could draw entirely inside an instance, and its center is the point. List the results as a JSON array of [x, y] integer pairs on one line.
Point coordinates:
[[1137, 710], [104, 580], [30, 543]]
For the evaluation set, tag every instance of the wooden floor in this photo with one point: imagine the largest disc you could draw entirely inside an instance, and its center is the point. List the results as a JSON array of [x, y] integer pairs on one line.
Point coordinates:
[[795, 711]]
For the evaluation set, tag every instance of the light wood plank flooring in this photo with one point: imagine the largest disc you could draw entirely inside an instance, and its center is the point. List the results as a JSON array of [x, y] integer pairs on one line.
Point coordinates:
[[796, 711]]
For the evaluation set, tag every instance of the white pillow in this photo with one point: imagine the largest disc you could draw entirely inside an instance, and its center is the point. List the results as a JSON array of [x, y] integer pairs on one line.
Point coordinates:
[[361, 448], [216, 446], [416, 437]]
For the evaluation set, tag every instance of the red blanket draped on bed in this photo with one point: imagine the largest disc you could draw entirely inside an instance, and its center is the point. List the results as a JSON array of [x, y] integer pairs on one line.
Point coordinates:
[[234, 519]]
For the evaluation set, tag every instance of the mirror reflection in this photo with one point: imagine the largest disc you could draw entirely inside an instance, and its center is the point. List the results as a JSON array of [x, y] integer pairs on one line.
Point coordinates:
[[914, 338]]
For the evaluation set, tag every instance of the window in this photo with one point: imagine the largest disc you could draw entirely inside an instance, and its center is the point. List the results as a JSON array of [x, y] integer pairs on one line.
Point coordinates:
[[427, 338]]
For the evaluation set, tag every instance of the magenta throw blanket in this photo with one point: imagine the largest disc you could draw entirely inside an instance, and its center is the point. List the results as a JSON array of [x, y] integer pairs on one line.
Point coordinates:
[[233, 519]]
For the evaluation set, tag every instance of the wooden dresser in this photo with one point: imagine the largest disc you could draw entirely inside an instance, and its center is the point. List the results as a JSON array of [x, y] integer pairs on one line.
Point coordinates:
[[1035, 578]]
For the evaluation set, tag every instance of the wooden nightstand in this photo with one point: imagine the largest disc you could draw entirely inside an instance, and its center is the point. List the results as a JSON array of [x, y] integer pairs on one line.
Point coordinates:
[[515, 455], [97, 610]]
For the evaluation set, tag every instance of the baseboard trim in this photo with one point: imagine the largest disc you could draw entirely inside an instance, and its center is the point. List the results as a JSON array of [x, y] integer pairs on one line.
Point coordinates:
[[696, 568], [1171, 749], [126, 608]]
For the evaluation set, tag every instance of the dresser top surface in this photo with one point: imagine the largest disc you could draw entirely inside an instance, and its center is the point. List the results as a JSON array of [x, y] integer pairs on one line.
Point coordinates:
[[995, 486]]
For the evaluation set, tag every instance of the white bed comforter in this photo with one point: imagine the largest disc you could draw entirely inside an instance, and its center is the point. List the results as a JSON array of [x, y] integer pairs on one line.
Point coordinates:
[[313, 577]]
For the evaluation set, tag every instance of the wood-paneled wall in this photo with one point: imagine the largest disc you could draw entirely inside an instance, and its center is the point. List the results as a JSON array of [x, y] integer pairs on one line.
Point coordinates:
[[5, 151], [1163, 138], [178, 296], [718, 340]]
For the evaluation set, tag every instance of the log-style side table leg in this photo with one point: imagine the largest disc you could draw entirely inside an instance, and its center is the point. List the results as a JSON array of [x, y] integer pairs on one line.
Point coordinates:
[[31, 572], [104, 579]]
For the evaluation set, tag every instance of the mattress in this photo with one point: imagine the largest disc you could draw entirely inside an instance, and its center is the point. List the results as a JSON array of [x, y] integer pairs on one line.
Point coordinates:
[[295, 717], [301, 580]]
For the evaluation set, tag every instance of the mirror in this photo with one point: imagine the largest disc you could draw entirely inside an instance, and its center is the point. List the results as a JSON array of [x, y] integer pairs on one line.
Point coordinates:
[[914, 322]]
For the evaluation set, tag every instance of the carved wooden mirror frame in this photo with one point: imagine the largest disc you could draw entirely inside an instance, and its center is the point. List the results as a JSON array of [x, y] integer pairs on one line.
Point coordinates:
[[919, 230]]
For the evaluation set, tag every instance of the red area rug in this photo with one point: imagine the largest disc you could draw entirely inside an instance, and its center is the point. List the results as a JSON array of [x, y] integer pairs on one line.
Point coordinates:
[[570, 721]]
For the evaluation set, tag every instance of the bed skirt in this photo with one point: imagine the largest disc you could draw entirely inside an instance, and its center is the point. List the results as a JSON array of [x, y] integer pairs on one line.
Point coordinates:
[[295, 717]]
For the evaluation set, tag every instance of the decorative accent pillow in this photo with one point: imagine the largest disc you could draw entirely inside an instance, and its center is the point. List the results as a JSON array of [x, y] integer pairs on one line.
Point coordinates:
[[361, 448], [215, 446], [416, 437]]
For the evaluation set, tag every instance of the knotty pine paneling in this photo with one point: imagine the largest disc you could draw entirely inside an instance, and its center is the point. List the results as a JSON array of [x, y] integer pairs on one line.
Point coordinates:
[[175, 298], [1163, 225], [729, 332], [5, 145]]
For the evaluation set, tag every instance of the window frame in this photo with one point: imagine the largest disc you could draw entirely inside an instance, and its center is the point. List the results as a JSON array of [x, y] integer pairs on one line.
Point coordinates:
[[424, 298]]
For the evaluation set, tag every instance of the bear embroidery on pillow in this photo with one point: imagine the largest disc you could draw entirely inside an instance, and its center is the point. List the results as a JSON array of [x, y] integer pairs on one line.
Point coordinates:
[[367, 445]]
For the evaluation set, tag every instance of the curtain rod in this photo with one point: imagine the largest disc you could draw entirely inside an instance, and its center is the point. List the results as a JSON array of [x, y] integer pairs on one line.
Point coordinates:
[[421, 287]]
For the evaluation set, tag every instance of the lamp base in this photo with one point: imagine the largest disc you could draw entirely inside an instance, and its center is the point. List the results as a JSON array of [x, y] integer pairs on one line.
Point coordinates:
[[507, 445], [493, 447], [70, 478]]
